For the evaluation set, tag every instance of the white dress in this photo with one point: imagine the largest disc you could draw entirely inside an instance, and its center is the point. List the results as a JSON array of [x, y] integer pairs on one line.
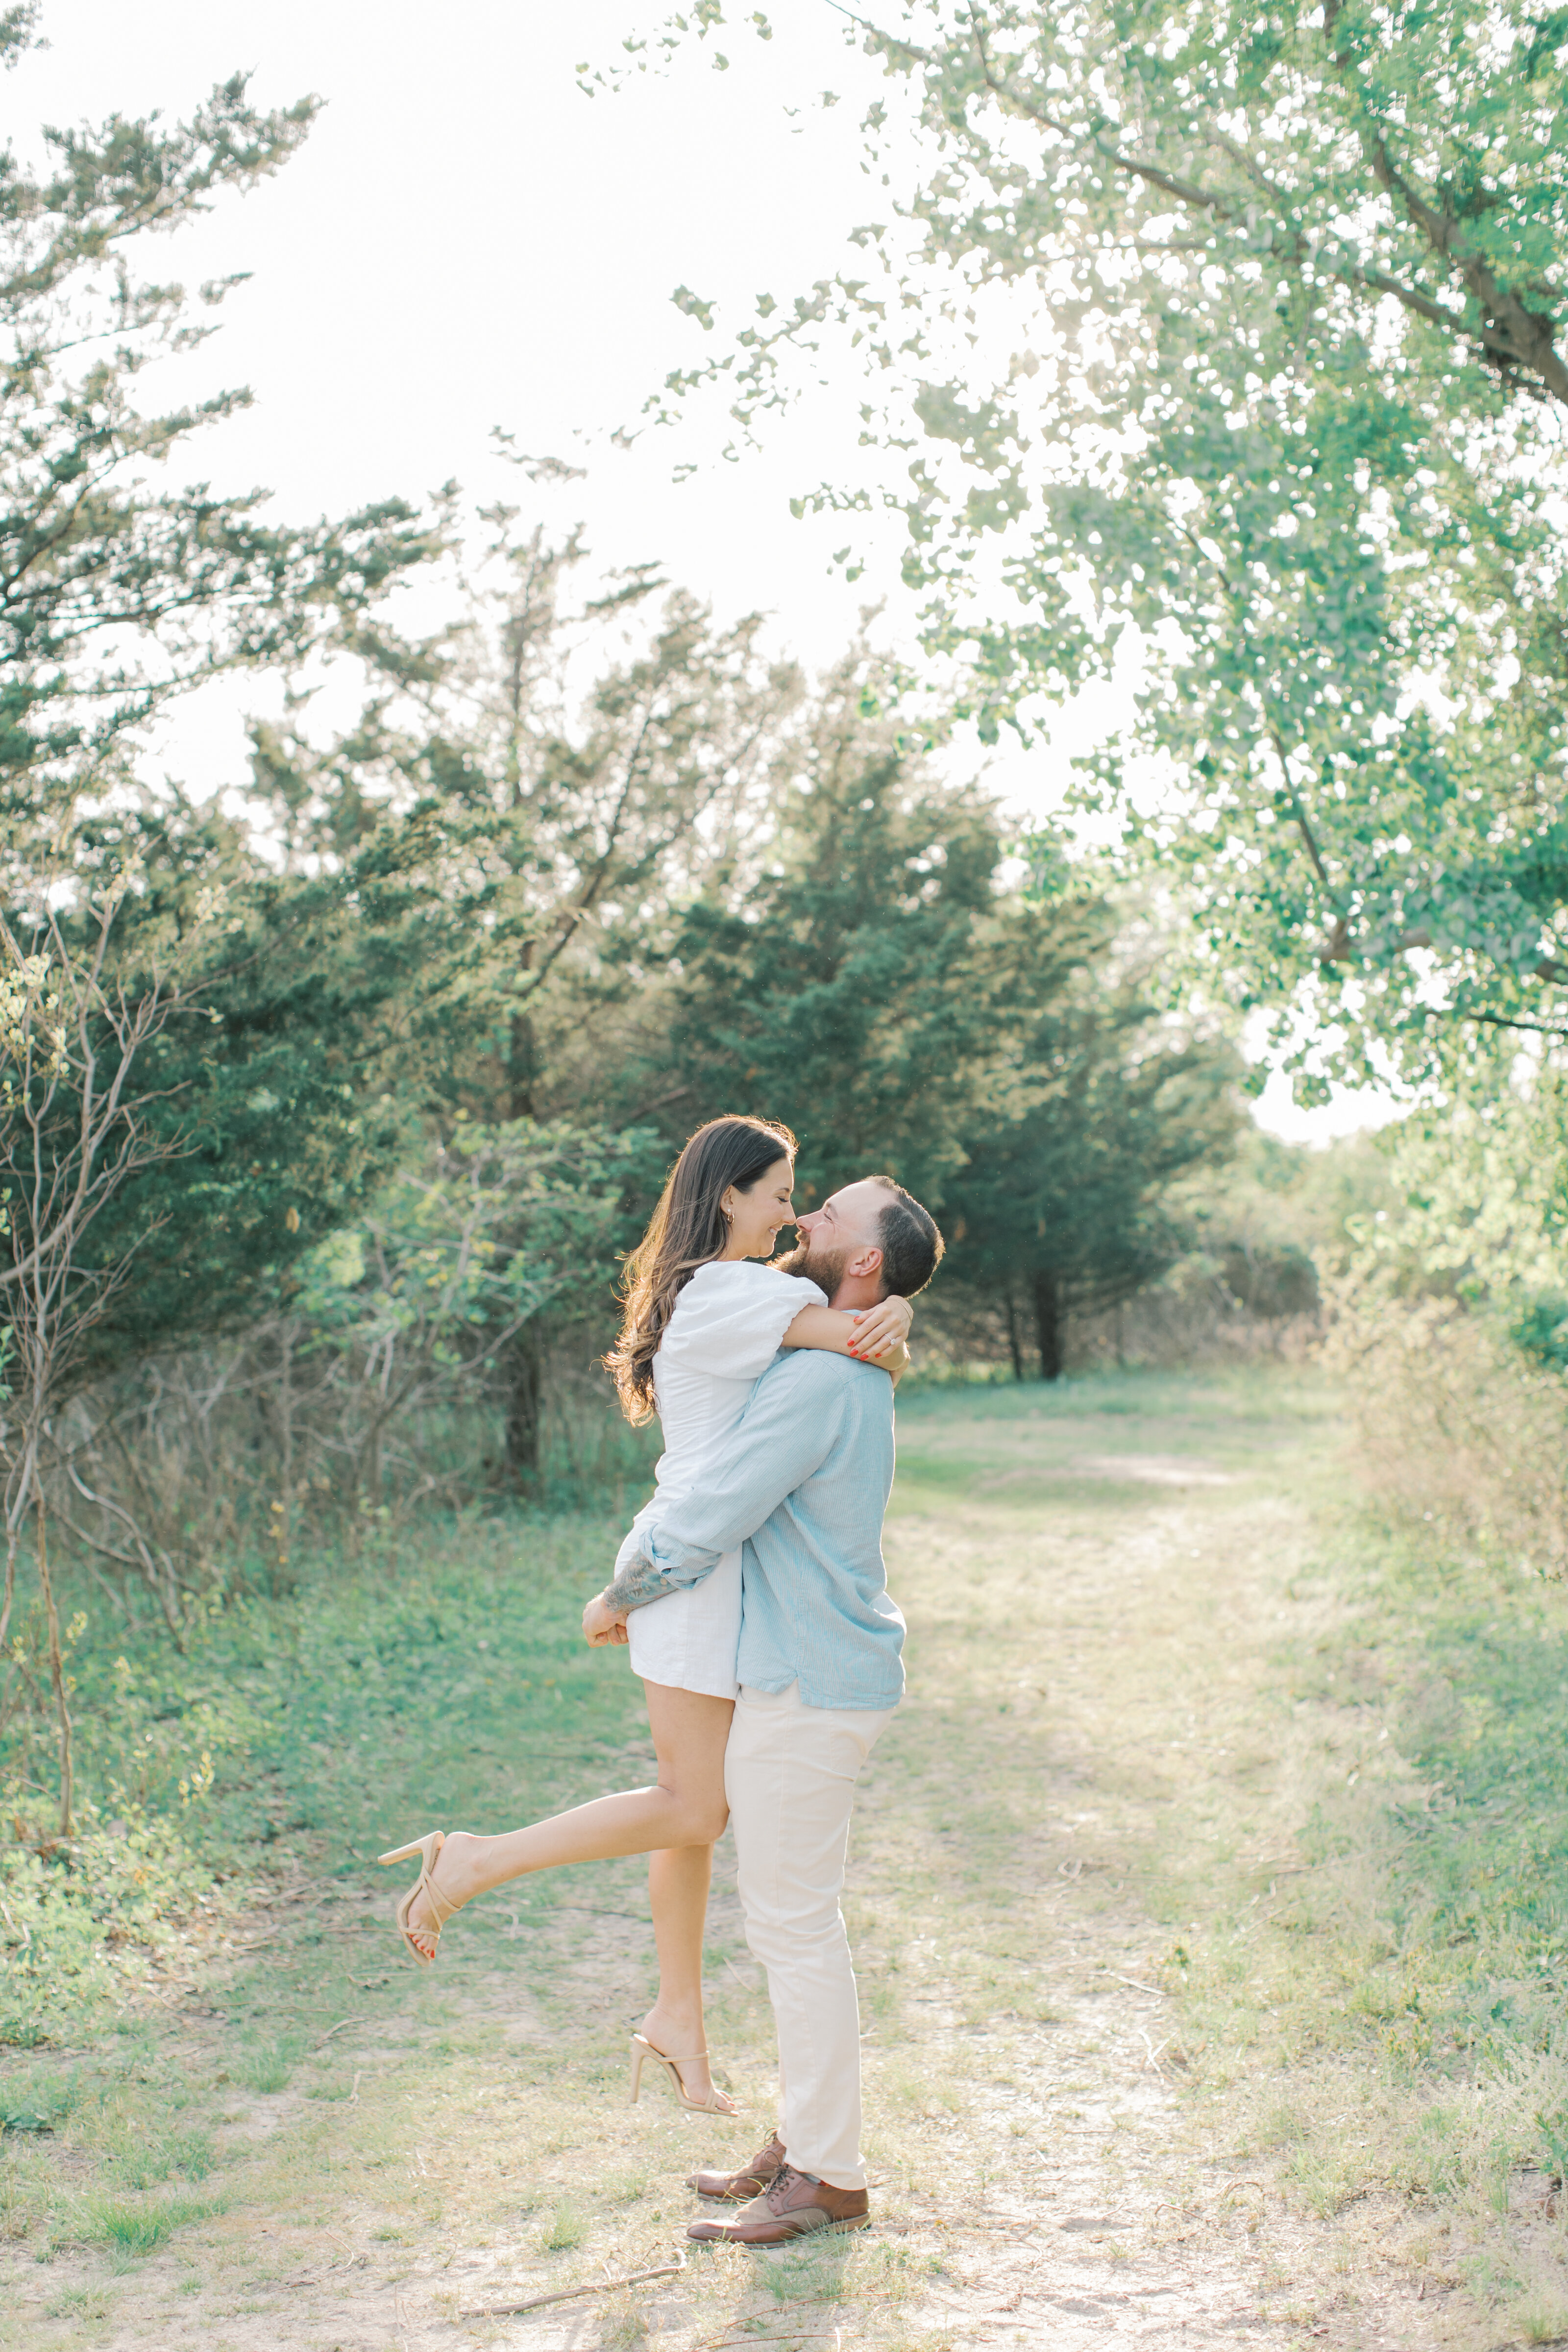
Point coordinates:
[[724, 1332]]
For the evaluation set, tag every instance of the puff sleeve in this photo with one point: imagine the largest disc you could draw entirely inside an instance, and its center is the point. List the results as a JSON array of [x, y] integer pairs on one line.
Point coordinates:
[[730, 1317]]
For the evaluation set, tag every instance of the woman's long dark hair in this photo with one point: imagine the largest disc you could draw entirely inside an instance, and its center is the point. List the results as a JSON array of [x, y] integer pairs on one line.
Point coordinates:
[[687, 1230]]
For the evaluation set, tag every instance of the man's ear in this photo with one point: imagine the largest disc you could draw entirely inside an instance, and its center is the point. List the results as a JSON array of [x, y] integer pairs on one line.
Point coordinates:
[[865, 1265]]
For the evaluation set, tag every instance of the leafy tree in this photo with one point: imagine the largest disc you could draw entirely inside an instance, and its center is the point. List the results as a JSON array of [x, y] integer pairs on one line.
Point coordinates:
[[1280, 1224], [188, 1097], [180, 1110], [1284, 303], [576, 769], [118, 598], [882, 989], [312, 1033], [420, 1300], [1478, 1201], [1065, 1210], [592, 779], [77, 1123], [866, 986]]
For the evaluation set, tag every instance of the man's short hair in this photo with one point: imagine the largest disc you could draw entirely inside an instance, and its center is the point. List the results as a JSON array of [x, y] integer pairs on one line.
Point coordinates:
[[910, 1244]]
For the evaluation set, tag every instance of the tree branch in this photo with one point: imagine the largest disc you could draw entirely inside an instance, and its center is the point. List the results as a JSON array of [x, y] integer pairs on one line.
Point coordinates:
[[1511, 335], [1529, 335]]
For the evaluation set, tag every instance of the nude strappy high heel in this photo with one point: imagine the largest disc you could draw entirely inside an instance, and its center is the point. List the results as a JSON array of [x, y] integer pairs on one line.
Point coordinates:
[[428, 1849], [715, 2104]]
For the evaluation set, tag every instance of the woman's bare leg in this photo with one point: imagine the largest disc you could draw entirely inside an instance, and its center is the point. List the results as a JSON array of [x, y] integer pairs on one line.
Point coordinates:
[[685, 1807], [677, 1882]]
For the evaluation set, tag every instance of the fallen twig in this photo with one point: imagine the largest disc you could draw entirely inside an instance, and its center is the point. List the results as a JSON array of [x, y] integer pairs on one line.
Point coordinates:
[[827, 2336], [598, 1911], [571, 2293], [319, 2278], [338, 2027]]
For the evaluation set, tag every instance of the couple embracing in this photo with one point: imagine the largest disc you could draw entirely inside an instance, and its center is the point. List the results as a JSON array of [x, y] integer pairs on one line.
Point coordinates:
[[752, 1594]]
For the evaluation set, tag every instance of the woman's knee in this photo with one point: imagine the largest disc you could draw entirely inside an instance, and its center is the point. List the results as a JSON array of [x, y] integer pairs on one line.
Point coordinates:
[[699, 1821]]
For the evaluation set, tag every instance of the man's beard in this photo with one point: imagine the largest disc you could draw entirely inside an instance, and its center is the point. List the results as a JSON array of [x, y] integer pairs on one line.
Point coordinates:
[[822, 1267]]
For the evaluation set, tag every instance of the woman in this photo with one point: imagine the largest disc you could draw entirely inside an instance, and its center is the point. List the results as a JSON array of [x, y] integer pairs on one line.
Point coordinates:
[[702, 1322]]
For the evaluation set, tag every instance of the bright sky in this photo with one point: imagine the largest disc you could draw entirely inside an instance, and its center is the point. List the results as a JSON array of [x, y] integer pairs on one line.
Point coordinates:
[[468, 241]]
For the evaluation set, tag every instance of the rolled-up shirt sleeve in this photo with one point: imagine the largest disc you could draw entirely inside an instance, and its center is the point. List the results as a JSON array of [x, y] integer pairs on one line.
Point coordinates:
[[774, 1448]]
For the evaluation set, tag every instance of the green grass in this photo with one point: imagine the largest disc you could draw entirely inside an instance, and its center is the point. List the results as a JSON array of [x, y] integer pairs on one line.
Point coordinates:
[[1425, 1941], [265, 2068], [336, 1707], [566, 2227], [320, 1720], [154, 2157], [140, 2228]]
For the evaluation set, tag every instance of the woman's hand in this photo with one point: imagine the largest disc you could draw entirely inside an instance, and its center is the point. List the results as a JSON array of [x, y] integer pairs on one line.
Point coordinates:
[[881, 1328], [602, 1626]]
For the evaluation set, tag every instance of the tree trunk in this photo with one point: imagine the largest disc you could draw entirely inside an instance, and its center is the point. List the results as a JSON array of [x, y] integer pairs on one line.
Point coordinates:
[[521, 1067], [1049, 1325], [283, 1521], [10, 1580], [286, 1391], [1015, 1342], [370, 1461], [523, 1369], [56, 1661]]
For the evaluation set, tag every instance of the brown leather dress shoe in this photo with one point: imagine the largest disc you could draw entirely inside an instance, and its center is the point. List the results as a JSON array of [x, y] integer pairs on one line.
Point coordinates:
[[734, 2187], [791, 2207]]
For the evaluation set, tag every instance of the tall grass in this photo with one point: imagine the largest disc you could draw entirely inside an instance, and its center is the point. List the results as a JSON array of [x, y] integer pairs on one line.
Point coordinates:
[[1458, 1429]]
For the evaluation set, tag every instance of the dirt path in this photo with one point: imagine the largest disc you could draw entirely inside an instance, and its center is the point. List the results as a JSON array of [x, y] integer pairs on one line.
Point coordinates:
[[1095, 1778]]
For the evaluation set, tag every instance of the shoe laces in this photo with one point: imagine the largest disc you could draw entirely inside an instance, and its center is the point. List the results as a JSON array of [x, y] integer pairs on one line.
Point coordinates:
[[785, 2177]]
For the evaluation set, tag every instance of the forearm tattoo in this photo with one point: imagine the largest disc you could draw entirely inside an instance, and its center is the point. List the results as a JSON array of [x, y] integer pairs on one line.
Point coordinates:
[[637, 1582]]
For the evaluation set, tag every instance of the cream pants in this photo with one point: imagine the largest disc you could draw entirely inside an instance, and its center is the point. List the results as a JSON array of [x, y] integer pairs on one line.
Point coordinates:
[[789, 1774]]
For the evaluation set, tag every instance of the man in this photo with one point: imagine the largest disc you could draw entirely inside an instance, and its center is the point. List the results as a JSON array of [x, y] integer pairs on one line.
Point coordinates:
[[803, 1488]]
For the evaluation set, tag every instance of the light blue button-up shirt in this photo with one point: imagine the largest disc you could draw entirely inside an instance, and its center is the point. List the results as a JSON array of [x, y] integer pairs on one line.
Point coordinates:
[[802, 1487]]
